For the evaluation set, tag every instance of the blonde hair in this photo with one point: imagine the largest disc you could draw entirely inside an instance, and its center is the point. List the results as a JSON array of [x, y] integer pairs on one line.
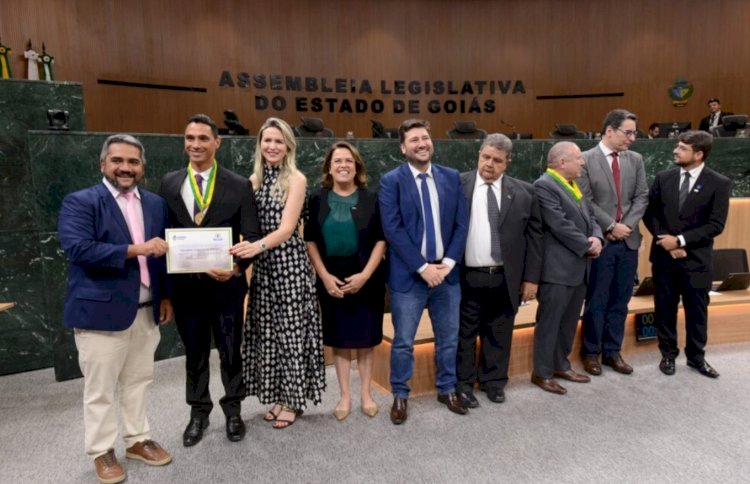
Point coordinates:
[[280, 189]]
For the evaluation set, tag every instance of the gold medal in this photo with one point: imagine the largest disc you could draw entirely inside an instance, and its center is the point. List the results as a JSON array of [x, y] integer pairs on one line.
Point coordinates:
[[199, 217]]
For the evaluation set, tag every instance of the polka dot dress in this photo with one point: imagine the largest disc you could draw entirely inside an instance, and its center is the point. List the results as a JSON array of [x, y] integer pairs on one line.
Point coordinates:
[[283, 349]]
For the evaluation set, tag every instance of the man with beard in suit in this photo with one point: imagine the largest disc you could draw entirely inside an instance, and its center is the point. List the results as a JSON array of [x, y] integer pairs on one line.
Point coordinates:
[[687, 210]]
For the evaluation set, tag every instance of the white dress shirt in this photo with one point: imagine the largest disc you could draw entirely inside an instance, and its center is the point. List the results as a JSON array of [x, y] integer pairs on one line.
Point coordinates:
[[478, 243]]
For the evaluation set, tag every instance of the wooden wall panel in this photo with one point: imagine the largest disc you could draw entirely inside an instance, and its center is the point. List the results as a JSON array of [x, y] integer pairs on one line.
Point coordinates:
[[555, 47]]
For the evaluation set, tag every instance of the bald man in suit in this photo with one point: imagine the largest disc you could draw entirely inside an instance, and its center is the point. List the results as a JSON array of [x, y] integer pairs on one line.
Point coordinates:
[[571, 238]]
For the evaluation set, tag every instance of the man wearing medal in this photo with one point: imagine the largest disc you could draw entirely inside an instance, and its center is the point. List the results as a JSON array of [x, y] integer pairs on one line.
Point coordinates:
[[205, 195], [571, 238]]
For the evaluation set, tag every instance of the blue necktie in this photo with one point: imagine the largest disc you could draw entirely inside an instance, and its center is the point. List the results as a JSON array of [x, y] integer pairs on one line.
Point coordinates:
[[429, 223]]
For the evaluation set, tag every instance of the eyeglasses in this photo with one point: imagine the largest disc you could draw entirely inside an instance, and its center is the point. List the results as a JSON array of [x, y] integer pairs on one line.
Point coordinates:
[[629, 133], [684, 148]]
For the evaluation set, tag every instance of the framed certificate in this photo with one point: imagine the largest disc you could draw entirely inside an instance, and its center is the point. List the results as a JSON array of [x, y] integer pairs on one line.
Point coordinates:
[[199, 249]]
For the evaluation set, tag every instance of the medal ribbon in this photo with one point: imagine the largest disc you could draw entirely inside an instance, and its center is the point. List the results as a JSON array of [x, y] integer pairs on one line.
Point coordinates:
[[570, 187], [204, 200]]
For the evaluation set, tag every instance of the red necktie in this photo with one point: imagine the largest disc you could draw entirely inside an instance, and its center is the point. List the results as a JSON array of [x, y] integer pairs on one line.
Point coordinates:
[[616, 176]]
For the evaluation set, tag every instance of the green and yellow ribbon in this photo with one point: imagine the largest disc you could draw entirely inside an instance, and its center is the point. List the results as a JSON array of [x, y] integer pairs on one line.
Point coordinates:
[[204, 200], [570, 187], [5, 72]]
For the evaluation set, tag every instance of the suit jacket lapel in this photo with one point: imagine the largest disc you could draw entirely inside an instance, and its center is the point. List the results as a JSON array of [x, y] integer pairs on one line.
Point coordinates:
[[469, 188], [692, 195], [607, 169], [175, 193], [217, 197], [113, 208], [410, 183], [507, 195], [148, 210]]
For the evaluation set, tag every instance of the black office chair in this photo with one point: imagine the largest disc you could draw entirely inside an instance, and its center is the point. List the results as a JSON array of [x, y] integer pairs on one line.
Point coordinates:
[[567, 131], [466, 130], [313, 128], [515, 135], [730, 125], [233, 125], [380, 131], [728, 261]]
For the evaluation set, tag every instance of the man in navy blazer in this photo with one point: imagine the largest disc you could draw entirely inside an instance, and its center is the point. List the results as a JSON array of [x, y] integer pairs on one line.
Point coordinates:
[[687, 209], [112, 234], [425, 221]]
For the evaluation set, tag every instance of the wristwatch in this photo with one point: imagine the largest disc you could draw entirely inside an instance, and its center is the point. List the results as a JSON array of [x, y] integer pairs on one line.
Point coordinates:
[[263, 246]]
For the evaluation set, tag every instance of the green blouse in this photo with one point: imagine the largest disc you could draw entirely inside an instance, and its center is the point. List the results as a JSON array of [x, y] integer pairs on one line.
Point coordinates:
[[339, 231]]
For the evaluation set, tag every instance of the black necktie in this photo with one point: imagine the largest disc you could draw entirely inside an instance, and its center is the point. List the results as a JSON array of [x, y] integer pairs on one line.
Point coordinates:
[[684, 190], [493, 213]]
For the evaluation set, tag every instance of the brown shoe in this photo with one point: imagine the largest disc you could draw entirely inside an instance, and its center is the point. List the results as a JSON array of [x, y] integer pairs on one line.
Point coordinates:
[[149, 452], [548, 385], [591, 365], [453, 402], [108, 470], [617, 364], [571, 375], [398, 411]]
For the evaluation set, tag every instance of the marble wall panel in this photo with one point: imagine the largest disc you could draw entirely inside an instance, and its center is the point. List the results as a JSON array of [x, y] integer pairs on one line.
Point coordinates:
[[23, 106], [25, 332]]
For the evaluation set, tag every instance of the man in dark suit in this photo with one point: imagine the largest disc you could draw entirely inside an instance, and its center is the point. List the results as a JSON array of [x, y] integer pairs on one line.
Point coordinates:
[[208, 195], [571, 238], [687, 209], [424, 216], [614, 181], [502, 263], [112, 234], [715, 116]]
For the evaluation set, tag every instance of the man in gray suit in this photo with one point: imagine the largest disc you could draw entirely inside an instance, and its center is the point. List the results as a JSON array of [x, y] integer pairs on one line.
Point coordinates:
[[614, 180], [571, 238], [502, 263]]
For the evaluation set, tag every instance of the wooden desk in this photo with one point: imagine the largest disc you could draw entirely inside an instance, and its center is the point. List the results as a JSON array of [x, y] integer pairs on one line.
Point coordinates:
[[727, 313], [6, 306]]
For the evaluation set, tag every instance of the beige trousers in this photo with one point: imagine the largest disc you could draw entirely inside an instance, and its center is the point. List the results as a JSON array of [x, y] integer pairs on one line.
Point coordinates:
[[112, 359]]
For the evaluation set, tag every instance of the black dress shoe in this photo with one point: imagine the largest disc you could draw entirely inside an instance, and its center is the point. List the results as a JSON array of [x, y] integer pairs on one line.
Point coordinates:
[[469, 399], [667, 366], [398, 411], [194, 431], [703, 368], [453, 402], [618, 364], [496, 395], [235, 428]]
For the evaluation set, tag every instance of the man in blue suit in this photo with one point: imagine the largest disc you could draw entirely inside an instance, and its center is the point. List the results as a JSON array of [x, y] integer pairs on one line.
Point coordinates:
[[112, 234], [425, 221]]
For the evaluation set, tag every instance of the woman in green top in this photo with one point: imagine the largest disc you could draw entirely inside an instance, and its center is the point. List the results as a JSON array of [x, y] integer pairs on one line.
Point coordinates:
[[346, 245]]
